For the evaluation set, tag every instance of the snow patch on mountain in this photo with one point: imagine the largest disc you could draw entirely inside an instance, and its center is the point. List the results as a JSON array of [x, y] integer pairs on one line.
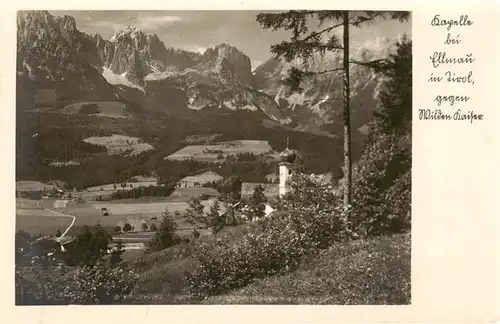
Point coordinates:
[[197, 103], [119, 79]]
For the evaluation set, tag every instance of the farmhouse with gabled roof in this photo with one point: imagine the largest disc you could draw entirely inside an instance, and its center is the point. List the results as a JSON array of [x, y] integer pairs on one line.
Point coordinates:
[[199, 180]]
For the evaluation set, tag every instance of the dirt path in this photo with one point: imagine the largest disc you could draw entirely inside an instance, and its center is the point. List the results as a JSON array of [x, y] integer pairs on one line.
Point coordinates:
[[63, 215]]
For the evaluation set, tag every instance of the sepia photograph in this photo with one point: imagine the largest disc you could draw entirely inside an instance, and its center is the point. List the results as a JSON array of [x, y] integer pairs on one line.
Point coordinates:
[[213, 157]]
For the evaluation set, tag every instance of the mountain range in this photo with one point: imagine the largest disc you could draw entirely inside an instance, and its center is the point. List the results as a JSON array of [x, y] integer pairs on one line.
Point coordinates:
[[58, 64]]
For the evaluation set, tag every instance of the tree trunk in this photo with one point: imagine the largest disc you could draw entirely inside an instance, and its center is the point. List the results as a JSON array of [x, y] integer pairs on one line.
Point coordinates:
[[346, 117]]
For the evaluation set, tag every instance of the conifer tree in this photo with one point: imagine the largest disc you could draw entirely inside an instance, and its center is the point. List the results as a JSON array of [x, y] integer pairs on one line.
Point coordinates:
[[257, 201], [196, 206], [216, 220], [165, 235]]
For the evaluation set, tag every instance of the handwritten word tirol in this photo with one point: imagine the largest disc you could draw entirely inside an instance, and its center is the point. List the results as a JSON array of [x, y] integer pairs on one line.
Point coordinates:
[[449, 23], [454, 78], [451, 99], [439, 58]]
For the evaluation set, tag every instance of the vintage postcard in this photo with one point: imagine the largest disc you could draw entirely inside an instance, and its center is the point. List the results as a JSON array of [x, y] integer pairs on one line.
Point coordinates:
[[250, 156]]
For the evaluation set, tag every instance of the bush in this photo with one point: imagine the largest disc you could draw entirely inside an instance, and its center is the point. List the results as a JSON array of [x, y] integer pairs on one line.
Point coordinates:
[[275, 245], [116, 253], [362, 272], [127, 227], [150, 191]]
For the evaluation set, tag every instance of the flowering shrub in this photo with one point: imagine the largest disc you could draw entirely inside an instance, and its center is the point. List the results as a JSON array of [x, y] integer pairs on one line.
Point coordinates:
[[89, 285]]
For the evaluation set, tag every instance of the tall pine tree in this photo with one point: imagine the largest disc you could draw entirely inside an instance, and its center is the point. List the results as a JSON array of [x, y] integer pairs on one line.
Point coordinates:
[[304, 43]]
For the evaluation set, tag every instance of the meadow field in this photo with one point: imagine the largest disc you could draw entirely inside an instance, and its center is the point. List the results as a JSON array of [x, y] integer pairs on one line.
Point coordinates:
[[212, 152], [33, 186], [112, 109], [120, 144], [38, 219]]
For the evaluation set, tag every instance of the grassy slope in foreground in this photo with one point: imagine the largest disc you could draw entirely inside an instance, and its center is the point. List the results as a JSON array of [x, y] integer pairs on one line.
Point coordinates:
[[365, 272], [375, 271]]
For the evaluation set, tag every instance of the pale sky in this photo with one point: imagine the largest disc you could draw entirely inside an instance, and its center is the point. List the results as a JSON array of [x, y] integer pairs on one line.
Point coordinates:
[[198, 30]]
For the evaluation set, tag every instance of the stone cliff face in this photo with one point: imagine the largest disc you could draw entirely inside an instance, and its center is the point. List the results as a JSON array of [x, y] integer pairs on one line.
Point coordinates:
[[134, 53], [318, 107], [53, 54], [230, 63], [136, 66]]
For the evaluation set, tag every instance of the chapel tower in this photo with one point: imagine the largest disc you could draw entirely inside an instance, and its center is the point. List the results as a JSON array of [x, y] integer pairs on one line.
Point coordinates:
[[288, 166]]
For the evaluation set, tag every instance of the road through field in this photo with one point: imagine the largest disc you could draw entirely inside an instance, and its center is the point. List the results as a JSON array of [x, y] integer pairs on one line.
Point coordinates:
[[63, 215]]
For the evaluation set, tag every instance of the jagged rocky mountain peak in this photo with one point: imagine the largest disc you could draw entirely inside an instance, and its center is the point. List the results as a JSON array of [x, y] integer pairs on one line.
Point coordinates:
[[130, 32], [34, 25], [53, 53]]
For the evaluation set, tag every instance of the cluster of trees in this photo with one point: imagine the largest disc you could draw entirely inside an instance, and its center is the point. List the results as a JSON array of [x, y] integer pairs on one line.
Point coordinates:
[[151, 191], [30, 249], [88, 109], [88, 248], [242, 157], [127, 227], [230, 189]]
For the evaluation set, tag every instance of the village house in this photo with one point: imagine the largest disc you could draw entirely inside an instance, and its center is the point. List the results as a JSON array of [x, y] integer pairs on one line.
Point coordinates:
[[199, 180]]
